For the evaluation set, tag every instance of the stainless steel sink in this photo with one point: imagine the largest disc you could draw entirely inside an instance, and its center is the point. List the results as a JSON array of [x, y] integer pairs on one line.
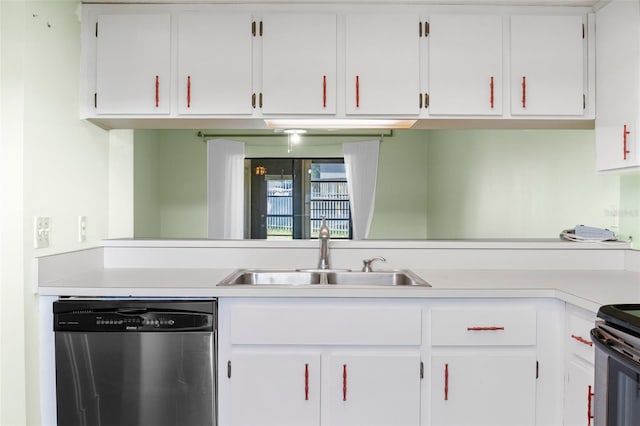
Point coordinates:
[[310, 277]]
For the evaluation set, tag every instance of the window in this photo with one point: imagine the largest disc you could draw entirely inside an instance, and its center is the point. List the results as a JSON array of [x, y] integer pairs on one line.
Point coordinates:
[[288, 198], [329, 198]]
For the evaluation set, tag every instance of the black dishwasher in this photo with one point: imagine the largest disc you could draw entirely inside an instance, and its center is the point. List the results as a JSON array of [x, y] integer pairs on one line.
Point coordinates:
[[135, 362]]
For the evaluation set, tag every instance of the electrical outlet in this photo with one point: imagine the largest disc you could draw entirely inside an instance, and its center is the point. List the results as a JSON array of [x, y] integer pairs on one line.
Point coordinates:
[[82, 229], [41, 232]]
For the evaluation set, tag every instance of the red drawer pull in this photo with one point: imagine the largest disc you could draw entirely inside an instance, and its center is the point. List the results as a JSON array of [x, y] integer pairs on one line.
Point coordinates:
[[590, 416], [582, 340], [524, 92], [485, 328], [625, 149], [344, 382], [324, 91], [306, 382], [189, 91], [446, 382], [357, 91], [157, 91], [491, 100]]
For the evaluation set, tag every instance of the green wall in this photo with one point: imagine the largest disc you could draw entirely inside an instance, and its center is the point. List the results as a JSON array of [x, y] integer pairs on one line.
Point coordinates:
[[436, 184]]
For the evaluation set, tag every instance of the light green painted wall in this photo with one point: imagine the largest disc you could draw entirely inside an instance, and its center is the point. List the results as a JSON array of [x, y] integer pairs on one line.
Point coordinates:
[[146, 184], [401, 191], [59, 169], [183, 186], [629, 211], [436, 184], [515, 184]]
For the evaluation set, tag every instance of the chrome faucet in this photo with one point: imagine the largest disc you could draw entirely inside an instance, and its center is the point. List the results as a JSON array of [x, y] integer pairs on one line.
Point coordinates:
[[324, 237]]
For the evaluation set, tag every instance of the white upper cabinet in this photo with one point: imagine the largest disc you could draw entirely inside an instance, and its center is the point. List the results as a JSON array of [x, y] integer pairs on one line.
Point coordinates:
[[299, 63], [547, 65], [382, 68], [214, 63], [465, 65], [133, 64], [617, 86]]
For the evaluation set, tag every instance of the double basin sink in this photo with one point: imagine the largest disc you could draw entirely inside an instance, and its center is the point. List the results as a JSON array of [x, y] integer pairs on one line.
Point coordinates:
[[320, 277]]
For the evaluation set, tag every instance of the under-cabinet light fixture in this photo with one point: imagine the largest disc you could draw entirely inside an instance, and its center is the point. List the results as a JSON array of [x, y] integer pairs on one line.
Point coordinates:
[[329, 123], [293, 137]]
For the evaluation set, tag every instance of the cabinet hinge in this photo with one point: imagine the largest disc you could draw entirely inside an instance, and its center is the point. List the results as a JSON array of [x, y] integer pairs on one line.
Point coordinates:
[[421, 370], [229, 369], [95, 100], [96, 29], [426, 100], [426, 29], [537, 369], [256, 28]]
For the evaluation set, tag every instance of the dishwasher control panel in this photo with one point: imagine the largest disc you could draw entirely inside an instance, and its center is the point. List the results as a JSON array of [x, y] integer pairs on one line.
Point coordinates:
[[143, 316]]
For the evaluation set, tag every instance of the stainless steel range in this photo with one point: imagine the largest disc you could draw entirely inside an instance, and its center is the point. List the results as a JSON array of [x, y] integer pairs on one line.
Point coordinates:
[[617, 369]]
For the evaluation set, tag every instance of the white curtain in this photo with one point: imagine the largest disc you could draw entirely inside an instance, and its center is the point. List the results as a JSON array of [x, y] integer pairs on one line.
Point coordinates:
[[225, 189], [361, 164]]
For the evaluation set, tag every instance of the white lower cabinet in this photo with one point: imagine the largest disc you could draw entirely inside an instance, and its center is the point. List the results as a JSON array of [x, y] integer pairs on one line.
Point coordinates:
[[372, 389], [483, 365], [495, 388], [313, 362], [579, 368], [387, 362], [578, 400], [274, 388], [304, 388]]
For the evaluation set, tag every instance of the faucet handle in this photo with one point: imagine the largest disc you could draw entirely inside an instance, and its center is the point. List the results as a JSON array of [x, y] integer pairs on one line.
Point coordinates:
[[367, 263]]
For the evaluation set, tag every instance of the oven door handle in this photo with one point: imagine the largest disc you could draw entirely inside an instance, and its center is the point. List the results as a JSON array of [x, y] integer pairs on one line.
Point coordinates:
[[616, 344]]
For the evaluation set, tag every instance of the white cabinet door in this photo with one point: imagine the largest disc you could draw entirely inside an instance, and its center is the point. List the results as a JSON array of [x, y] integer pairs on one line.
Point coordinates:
[[496, 388], [299, 63], [578, 399], [274, 388], [133, 64], [617, 85], [382, 64], [214, 63], [372, 389], [465, 65], [547, 65]]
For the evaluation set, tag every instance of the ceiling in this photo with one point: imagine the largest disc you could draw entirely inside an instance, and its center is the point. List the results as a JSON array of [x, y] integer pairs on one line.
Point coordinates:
[[582, 3]]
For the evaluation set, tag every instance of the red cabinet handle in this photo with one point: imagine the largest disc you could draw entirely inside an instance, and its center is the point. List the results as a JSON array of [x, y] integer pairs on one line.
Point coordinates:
[[485, 328], [625, 149], [590, 416], [306, 382], [188, 91], [344, 382], [524, 92], [446, 382], [157, 91], [357, 91], [582, 340], [324, 91], [491, 99]]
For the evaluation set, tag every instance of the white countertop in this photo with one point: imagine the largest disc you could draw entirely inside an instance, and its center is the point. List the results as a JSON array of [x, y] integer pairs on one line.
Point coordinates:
[[588, 289]]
